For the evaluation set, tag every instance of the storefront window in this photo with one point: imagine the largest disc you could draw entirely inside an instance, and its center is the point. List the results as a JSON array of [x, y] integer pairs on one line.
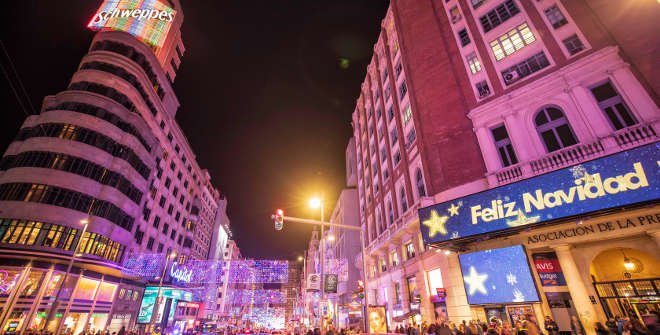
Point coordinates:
[[435, 280], [75, 323], [32, 283], [15, 320], [413, 293], [97, 321], [106, 292], [8, 279], [86, 289], [53, 285]]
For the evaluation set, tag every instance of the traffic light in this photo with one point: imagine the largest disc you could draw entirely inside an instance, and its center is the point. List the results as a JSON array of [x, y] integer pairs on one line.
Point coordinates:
[[278, 217]]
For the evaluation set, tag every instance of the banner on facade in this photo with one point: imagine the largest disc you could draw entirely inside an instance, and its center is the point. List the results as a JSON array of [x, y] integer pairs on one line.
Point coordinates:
[[330, 283], [377, 319], [548, 268], [625, 178], [314, 282]]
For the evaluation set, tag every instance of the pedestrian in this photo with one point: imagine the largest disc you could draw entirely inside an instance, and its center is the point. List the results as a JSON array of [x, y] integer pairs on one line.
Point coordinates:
[[122, 331], [601, 330], [551, 326], [576, 326], [611, 324], [507, 329]]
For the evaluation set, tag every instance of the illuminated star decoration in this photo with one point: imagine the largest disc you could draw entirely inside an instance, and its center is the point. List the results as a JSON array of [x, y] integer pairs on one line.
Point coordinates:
[[511, 279], [436, 224], [518, 296], [476, 281], [453, 209]]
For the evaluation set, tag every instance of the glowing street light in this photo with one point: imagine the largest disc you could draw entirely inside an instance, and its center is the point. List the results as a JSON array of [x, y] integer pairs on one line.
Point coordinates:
[[315, 202]]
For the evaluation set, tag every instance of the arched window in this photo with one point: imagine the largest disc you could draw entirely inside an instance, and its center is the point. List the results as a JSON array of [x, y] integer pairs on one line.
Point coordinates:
[[554, 129], [390, 213], [404, 200], [419, 178]]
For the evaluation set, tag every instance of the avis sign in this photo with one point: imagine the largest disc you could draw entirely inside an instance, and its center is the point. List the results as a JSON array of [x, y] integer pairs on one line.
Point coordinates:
[[622, 179]]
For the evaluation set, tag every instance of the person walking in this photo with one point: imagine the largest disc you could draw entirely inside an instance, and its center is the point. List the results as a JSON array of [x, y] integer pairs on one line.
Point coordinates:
[[551, 326], [576, 326]]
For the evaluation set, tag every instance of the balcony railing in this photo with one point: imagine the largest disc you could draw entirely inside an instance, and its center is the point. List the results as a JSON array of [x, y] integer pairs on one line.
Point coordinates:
[[623, 139]]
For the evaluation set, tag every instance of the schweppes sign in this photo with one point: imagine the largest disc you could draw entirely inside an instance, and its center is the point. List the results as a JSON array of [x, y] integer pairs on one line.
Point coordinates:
[[618, 180]]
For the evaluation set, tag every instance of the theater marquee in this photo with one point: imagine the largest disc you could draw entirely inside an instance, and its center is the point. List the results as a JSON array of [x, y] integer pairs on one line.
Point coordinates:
[[621, 179]]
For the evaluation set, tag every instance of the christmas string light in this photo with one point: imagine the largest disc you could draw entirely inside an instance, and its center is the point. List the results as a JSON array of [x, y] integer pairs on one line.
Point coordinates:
[[255, 297], [143, 265], [259, 271]]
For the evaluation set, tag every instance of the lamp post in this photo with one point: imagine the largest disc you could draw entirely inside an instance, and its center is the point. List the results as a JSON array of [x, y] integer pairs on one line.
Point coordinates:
[[316, 203], [53, 311], [154, 315]]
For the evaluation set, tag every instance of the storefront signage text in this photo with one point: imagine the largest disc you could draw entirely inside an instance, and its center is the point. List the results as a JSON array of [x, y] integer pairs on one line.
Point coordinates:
[[594, 228], [181, 274], [621, 179]]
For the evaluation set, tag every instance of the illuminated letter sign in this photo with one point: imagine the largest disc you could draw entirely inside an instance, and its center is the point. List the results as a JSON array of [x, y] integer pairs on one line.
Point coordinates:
[[181, 274], [621, 179], [148, 20]]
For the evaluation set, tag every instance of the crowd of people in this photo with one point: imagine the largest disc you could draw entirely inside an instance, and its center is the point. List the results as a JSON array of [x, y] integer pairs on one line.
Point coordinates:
[[528, 325]]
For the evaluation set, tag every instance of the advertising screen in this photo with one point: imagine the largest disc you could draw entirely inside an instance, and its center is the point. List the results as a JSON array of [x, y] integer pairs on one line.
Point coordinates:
[[148, 20], [621, 179], [148, 304], [498, 276]]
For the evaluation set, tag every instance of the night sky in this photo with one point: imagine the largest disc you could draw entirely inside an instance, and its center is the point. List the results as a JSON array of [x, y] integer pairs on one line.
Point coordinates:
[[266, 88]]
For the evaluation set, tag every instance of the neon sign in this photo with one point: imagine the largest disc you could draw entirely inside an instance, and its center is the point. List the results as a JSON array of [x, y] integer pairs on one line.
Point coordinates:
[[181, 274], [148, 20], [625, 178]]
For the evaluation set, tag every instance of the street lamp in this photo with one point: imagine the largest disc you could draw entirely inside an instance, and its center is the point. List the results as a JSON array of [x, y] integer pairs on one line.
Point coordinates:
[[53, 311], [159, 299]]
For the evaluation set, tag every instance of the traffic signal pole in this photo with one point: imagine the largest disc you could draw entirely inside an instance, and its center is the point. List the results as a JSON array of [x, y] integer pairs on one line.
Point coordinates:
[[362, 247]]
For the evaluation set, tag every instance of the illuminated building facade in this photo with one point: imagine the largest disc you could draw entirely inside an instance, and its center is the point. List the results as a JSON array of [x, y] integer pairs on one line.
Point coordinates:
[[490, 96], [106, 151]]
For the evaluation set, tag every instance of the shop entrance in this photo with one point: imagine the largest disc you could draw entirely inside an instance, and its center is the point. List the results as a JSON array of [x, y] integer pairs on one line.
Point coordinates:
[[627, 282]]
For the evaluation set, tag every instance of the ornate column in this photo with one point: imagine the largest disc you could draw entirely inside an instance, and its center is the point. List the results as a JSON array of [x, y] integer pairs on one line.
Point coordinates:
[[457, 304], [577, 288]]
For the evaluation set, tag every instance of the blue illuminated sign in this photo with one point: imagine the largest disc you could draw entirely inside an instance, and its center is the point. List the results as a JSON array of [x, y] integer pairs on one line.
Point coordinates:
[[498, 276], [621, 179]]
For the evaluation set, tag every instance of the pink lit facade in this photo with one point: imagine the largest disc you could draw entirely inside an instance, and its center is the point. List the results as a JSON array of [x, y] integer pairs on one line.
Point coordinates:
[[496, 92], [106, 151]]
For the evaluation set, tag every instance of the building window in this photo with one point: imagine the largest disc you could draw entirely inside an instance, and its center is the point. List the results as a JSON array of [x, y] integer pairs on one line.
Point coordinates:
[[395, 258], [504, 146], [555, 16], [554, 129], [403, 90], [150, 243], [464, 37], [483, 89], [512, 41], [393, 136], [404, 200], [385, 74], [611, 103], [410, 250], [390, 213], [419, 180], [383, 154], [397, 293], [390, 113], [383, 265], [455, 14], [398, 69], [499, 15], [407, 114], [573, 44], [397, 157], [525, 68], [473, 62]]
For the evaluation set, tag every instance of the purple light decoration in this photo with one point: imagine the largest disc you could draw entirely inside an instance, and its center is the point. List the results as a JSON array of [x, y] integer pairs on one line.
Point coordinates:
[[259, 271], [203, 272], [256, 297], [144, 265]]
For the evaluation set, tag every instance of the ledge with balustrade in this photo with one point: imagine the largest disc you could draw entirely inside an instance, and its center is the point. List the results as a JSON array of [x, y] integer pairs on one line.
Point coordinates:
[[619, 140], [400, 226]]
